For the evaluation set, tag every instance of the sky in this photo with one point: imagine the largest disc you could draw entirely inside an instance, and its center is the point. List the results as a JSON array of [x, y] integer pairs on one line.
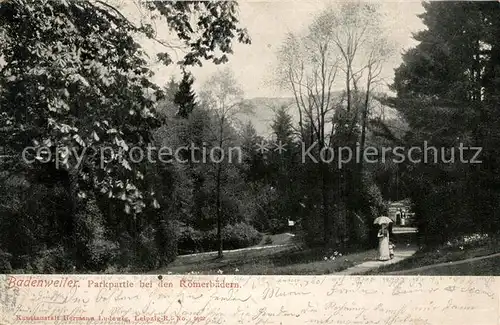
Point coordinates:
[[268, 22]]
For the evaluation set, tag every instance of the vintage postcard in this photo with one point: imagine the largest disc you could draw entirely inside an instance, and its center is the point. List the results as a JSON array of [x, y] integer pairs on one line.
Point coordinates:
[[249, 162]]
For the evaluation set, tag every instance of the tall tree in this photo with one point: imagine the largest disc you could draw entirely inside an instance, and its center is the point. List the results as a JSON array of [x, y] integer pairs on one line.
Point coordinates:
[[444, 91], [284, 162], [75, 85], [349, 39], [308, 67], [224, 98]]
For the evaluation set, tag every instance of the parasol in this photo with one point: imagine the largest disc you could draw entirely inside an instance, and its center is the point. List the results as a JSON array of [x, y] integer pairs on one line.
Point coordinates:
[[382, 220]]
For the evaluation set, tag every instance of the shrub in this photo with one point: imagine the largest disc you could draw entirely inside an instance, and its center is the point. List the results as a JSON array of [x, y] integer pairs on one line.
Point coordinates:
[[190, 240], [51, 261], [268, 241], [276, 226], [99, 251], [209, 240], [141, 252], [5, 266], [102, 253], [147, 256], [235, 236], [94, 250], [167, 241], [240, 235]]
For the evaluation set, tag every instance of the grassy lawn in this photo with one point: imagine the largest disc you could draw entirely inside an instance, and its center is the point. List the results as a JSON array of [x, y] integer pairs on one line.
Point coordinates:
[[290, 260], [486, 267], [446, 254]]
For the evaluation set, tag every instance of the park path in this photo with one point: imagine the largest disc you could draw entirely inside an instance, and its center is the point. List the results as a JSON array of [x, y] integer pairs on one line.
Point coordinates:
[[399, 255], [252, 248]]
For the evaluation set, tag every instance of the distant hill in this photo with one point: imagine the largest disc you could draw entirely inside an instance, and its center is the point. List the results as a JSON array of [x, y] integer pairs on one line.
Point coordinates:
[[264, 108]]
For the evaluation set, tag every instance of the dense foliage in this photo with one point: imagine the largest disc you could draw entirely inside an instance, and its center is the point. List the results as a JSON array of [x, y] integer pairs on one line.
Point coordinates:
[[77, 93], [77, 105], [448, 89]]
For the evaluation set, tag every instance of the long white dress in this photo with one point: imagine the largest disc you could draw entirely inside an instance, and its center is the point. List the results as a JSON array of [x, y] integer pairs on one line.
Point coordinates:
[[383, 245]]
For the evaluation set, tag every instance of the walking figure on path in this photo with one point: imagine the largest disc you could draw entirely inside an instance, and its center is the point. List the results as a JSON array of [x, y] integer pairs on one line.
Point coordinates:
[[383, 238]]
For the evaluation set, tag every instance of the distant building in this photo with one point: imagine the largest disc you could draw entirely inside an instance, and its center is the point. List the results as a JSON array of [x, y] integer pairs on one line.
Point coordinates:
[[400, 212]]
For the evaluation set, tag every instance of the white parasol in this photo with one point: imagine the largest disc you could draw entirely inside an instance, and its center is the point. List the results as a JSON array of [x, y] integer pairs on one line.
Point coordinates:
[[382, 220]]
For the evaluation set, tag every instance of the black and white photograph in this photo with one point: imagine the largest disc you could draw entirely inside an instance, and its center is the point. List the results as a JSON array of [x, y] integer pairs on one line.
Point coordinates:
[[274, 137]]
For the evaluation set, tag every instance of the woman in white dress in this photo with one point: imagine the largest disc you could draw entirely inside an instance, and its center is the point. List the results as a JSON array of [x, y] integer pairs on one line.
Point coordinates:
[[383, 243]]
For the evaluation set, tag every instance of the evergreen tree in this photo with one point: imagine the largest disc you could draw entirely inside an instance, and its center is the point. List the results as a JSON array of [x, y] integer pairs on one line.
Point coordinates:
[[446, 90], [449, 62], [171, 89], [282, 125], [185, 97], [254, 165]]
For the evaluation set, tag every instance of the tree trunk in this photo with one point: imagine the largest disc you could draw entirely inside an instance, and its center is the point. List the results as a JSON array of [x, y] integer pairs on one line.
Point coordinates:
[[364, 122], [72, 188], [219, 214], [324, 195], [348, 87], [218, 194]]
